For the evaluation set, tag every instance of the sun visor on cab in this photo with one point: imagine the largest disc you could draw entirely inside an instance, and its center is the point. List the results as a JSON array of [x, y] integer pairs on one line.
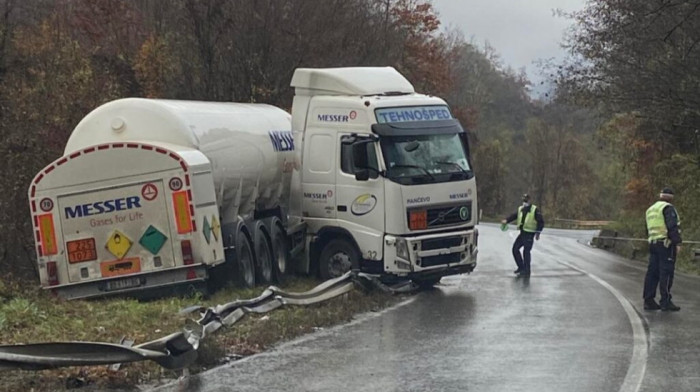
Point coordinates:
[[417, 128]]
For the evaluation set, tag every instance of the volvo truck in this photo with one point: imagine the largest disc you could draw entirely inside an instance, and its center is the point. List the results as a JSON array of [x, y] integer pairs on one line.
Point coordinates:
[[365, 174]]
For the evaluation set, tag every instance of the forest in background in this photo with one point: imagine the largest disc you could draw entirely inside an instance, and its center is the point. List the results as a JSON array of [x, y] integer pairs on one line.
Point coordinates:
[[621, 123]]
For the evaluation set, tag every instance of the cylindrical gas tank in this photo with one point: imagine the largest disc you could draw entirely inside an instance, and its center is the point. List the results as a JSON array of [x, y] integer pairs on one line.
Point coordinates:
[[250, 146]]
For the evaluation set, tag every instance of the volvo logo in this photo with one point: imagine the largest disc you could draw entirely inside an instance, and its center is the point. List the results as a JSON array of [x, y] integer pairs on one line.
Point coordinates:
[[464, 213]]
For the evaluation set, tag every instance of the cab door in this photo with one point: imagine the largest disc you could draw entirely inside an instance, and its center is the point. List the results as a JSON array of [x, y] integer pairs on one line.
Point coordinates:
[[318, 188], [360, 204]]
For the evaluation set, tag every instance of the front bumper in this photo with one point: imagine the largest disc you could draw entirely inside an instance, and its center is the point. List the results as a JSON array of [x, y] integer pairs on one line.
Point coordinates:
[[431, 254]]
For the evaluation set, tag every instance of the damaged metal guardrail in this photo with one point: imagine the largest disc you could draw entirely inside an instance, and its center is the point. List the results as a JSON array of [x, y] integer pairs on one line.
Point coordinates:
[[610, 242], [178, 350]]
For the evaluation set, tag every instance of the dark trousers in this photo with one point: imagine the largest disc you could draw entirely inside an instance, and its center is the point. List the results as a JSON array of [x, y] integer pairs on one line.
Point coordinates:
[[525, 240], [662, 263]]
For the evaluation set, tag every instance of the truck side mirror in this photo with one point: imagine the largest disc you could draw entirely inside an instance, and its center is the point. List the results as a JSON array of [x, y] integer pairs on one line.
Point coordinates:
[[360, 161], [362, 175]]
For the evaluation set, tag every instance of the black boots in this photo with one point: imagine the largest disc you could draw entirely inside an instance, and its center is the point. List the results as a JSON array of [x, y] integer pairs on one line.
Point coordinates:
[[650, 304], [670, 307]]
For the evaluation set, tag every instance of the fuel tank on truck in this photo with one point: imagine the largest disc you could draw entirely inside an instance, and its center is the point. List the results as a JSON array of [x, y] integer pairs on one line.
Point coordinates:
[[250, 146]]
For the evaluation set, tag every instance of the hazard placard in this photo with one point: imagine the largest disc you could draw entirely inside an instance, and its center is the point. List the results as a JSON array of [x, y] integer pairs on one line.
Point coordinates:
[[215, 227], [149, 191], [120, 267], [118, 244], [206, 230], [48, 236], [182, 212]]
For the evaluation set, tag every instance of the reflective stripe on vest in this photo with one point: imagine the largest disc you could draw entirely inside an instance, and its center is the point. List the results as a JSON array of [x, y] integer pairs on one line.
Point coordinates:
[[530, 224], [656, 224]]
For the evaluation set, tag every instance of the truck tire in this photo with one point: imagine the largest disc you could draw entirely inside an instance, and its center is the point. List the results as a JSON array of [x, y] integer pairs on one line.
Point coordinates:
[[281, 265], [245, 261], [338, 257], [263, 255]]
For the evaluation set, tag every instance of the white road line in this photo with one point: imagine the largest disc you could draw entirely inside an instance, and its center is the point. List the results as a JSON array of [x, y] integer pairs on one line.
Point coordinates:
[[361, 318], [638, 364]]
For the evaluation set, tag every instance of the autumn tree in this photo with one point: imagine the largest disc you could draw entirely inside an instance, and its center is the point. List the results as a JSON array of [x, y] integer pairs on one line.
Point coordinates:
[[641, 58], [637, 63], [51, 88]]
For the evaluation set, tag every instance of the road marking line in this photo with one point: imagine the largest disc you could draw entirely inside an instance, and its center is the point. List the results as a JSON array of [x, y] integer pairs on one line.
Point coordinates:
[[361, 318], [638, 363]]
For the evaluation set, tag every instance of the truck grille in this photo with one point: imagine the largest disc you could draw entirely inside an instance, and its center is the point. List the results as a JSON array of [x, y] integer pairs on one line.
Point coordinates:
[[440, 243], [440, 259], [447, 215]]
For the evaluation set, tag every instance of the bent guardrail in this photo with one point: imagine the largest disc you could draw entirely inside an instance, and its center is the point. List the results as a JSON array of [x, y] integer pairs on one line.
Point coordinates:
[[179, 349], [638, 244], [577, 224]]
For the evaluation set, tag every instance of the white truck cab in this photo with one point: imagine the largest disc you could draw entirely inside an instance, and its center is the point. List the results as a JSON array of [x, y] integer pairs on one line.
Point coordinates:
[[386, 184]]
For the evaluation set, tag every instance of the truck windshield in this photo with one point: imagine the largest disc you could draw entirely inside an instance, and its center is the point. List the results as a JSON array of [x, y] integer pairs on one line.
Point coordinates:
[[425, 159]]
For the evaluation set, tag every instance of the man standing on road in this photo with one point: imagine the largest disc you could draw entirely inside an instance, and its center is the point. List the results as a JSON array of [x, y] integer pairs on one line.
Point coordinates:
[[663, 228], [530, 223]]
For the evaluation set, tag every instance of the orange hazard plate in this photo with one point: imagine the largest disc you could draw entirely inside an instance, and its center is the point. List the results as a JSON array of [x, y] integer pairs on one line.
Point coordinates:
[[81, 250], [120, 267]]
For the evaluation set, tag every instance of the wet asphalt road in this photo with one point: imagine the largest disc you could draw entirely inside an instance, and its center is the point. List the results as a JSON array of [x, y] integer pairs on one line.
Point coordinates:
[[576, 325]]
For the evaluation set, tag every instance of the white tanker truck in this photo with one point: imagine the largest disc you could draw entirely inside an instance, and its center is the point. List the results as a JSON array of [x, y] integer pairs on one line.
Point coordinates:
[[365, 174]]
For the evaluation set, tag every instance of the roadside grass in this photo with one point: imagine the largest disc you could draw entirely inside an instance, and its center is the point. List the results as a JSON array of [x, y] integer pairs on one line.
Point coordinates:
[[29, 315]]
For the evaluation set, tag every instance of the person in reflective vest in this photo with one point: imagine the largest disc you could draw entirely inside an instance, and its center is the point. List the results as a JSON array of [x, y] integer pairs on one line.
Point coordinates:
[[530, 223], [663, 229]]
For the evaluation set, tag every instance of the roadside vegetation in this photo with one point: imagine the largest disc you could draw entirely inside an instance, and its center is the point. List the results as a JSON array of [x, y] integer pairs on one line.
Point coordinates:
[[33, 316], [636, 63]]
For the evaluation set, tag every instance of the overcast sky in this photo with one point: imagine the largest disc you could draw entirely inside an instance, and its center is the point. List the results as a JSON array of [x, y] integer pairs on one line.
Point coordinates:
[[521, 31]]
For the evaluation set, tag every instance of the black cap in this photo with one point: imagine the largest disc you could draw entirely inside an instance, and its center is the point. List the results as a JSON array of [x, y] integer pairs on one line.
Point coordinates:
[[526, 197], [667, 191]]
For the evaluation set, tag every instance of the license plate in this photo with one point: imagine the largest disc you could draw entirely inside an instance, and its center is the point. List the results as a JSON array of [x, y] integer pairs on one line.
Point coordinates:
[[121, 284]]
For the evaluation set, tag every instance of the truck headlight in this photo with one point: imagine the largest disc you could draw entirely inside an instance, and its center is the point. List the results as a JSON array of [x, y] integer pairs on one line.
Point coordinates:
[[402, 249]]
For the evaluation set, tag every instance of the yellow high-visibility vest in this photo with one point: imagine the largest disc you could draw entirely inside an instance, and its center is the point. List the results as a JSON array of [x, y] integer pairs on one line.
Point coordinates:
[[656, 224], [530, 224]]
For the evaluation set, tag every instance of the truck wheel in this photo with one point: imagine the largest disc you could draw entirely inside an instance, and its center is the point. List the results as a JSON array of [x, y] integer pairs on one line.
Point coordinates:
[[263, 256], [245, 261], [337, 258], [281, 265]]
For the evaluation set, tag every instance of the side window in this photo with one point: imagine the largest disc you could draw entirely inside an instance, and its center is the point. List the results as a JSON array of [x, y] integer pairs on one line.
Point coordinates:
[[346, 163]]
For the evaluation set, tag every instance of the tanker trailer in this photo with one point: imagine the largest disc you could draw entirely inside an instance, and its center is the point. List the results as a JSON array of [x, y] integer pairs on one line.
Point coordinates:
[[156, 193]]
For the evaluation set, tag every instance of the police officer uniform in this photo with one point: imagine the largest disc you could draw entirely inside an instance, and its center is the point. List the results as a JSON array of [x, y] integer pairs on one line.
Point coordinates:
[[530, 223], [663, 228]]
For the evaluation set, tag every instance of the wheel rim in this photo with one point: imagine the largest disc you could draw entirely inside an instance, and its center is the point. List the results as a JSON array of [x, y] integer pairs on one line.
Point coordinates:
[[281, 256], [246, 263], [338, 264], [265, 262]]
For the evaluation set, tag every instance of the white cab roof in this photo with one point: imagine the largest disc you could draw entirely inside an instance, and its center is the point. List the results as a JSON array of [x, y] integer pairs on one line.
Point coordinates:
[[349, 81]]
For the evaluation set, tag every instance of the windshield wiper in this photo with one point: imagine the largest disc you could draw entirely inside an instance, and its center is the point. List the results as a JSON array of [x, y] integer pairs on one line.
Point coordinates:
[[417, 167], [455, 164]]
